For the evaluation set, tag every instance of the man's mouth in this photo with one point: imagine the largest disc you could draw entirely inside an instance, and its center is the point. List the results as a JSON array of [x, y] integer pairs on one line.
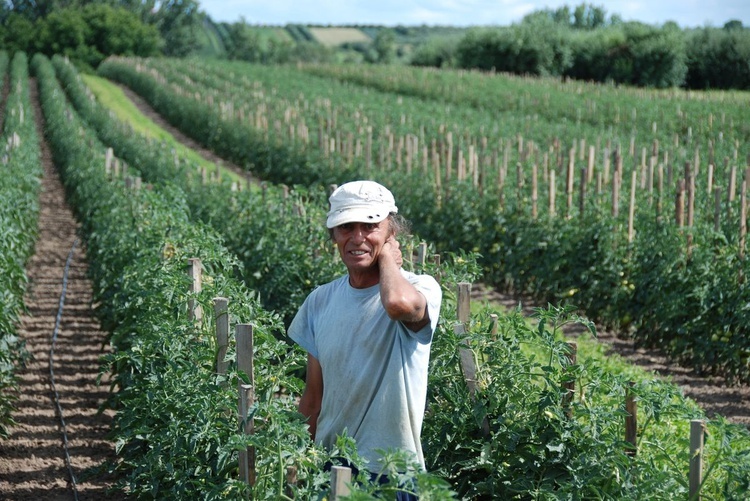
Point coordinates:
[[358, 252]]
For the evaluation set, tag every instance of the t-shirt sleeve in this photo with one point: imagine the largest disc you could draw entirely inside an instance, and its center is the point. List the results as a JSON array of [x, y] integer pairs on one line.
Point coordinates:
[[301, 328], [432, 292]]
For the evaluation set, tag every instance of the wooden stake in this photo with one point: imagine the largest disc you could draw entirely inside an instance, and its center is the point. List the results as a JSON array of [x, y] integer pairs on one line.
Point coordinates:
[[469, 369], [631, 420], [631, 212], [195, 311], [743, 219], [221, 314], [697, 432], [464, 302], [582, 194], [615, 195], [570, 181], [341, 479], [244, 339], [552, 188], [247, 456], [717, 208], [570, 385], [534, 190], [680, 204]]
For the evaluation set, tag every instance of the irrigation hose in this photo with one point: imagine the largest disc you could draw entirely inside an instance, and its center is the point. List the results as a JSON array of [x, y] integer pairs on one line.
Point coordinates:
[[52, 372]]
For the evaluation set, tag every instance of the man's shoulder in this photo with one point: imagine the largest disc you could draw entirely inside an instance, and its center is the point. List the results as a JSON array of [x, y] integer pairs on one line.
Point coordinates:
[[425, 280], [328, 287]]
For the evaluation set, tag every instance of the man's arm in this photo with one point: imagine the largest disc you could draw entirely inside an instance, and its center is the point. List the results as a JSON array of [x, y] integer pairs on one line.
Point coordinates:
[[401, 300], [312, 397]]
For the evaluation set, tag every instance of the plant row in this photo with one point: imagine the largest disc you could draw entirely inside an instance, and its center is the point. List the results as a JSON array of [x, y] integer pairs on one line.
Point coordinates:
[[20, 171], [532, 447], [671, 286], [176, 431]]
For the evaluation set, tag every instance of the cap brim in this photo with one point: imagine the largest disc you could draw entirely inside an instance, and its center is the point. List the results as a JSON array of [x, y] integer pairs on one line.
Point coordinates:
[[356, 215]]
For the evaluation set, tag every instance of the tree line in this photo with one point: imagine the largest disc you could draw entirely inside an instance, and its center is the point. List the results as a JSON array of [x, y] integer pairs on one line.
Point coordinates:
[[583, 43], [88, 31]]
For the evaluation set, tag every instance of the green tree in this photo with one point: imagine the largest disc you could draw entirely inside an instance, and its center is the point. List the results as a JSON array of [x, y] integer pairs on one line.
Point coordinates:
[[385, 46], [589, 17], [718, 58], [115, 30], [541, 47], [244, 44], [734, 24], [178, 22], [64, 32], [439, 52], [89, 34], [18, 33], [659, 57], [38, 9]]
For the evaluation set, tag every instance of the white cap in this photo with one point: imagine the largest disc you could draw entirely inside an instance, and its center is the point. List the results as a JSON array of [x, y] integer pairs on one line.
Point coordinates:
[[360, 202]]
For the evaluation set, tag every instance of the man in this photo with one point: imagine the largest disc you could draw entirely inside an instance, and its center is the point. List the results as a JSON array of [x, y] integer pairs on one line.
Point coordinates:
[[368, 333]]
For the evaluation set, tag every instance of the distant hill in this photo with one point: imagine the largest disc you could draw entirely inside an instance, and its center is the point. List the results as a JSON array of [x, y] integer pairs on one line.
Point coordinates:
[[214, 36]]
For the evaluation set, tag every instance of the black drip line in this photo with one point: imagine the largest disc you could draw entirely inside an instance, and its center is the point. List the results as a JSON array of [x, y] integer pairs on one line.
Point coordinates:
[[52, 372]]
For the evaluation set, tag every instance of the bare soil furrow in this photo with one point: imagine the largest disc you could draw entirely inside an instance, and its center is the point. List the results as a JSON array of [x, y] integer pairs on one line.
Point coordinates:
[[32, 459]]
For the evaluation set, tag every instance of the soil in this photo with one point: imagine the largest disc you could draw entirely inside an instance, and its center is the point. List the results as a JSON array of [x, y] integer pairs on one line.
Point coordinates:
[[33, 459]]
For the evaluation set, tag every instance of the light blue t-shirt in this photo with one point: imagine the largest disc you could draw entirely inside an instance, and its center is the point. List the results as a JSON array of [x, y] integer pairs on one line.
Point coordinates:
[[374, 368]]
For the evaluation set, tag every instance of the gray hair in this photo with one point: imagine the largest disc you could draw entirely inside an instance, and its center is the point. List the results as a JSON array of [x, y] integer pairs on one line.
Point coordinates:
[[397, 223]]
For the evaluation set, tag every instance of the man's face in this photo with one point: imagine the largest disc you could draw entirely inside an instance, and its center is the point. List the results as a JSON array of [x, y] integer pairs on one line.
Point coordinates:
[[360, 244]]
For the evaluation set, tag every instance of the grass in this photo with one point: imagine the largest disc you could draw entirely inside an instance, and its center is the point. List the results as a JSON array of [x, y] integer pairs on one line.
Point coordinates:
[[112, 97]]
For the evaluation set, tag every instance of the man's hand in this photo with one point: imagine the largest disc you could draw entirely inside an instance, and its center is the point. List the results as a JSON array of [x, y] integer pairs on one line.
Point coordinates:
[[400, 299], [393, 247]]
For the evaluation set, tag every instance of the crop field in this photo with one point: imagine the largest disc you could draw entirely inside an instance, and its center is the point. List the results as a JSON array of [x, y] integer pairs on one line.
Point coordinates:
[[333, 37], [626, 207]]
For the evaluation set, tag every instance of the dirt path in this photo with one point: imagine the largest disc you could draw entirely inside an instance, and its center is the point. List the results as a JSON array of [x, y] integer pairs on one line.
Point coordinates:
[[32, 459]]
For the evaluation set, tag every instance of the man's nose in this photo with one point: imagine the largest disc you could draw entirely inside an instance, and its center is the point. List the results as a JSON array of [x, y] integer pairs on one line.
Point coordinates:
[[358, 234]]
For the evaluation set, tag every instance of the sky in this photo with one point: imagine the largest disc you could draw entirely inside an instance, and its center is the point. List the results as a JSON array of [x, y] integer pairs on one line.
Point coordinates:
[[686, 13]]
